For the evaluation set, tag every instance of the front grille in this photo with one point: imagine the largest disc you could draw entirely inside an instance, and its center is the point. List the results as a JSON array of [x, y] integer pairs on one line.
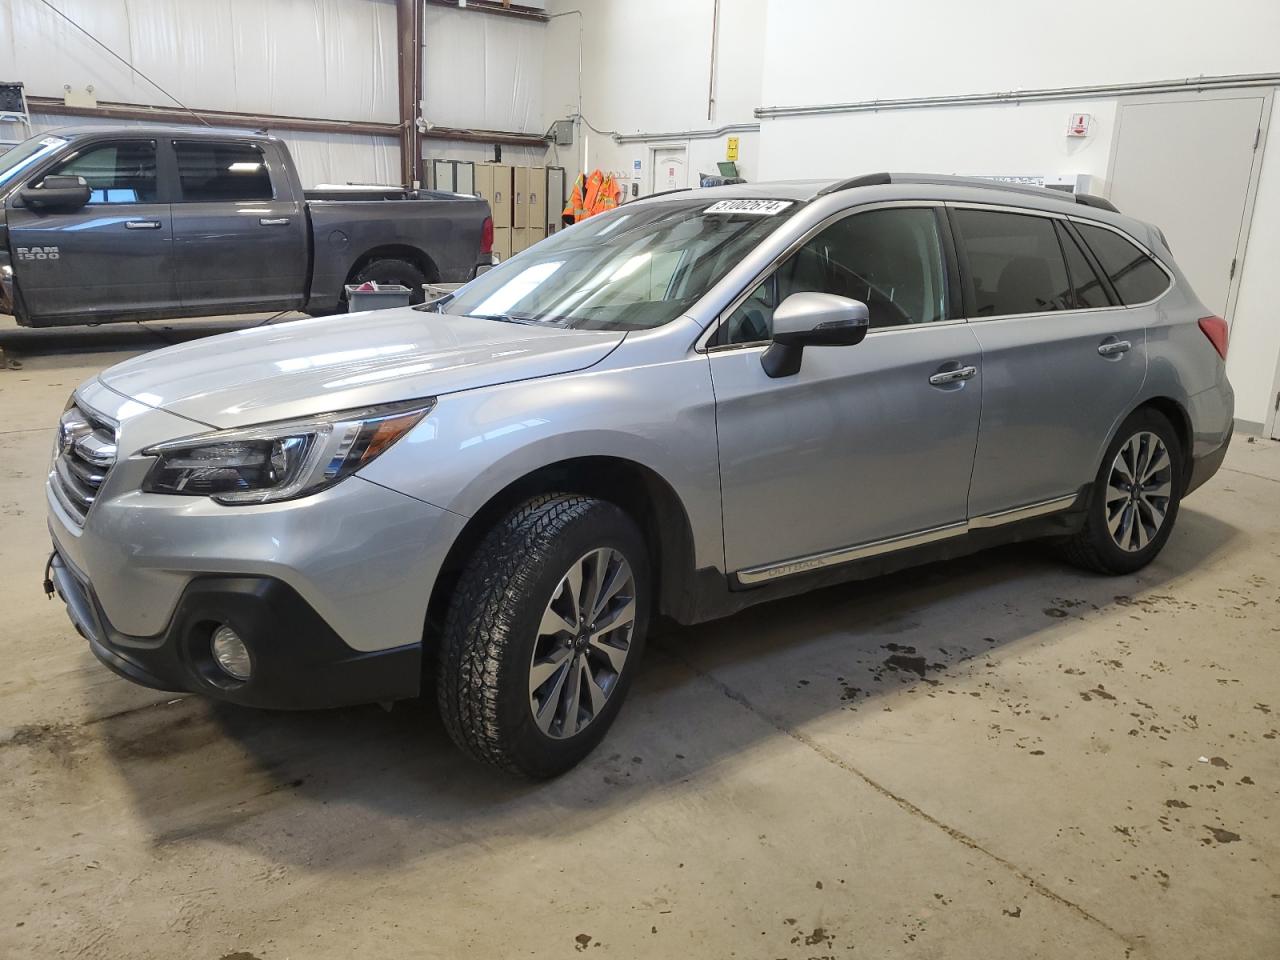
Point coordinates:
[[85, 453]]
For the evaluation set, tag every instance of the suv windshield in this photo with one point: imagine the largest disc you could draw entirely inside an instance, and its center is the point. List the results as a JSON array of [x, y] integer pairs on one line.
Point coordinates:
[[25, 155], [632, 269]]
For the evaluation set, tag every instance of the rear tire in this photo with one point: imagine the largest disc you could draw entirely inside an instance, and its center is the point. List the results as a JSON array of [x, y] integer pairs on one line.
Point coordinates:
[[1135, 498], [536, 659], [392, 271]]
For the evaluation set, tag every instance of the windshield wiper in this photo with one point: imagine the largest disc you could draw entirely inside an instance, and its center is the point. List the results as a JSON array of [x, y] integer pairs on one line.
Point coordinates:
[[507, 318]]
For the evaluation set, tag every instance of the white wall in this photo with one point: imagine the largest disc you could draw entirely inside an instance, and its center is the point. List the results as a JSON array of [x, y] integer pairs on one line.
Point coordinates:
[[646, 68], [944, 48]]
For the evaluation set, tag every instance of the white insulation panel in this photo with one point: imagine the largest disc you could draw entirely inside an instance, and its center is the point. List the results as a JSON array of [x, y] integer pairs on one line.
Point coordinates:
[[331, 59], [482, 72]]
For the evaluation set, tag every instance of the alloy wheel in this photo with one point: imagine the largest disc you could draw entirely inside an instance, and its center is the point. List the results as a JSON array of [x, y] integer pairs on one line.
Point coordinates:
[[1139, 491], [582, 644]]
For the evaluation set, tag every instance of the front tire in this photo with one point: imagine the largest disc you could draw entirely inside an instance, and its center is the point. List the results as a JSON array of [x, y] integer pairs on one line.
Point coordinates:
[[1135, 497], [543, 634]]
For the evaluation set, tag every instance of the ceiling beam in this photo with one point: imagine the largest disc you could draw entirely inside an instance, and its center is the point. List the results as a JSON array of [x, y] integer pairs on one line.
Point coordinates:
[[505, 9]]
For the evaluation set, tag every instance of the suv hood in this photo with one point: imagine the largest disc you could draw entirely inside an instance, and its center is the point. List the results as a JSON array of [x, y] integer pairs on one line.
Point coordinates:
[[307, 367]]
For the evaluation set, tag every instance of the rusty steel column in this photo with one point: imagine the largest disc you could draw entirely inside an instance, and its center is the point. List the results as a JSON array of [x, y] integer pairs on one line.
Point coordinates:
[[409, 50]]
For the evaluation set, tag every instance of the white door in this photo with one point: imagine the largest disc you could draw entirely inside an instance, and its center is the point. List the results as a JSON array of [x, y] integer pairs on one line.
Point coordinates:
[[669, 169], [1189, 166]]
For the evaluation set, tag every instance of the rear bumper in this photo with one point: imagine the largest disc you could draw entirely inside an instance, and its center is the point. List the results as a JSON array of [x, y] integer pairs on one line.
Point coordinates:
[[1205, 466], [299, 661]]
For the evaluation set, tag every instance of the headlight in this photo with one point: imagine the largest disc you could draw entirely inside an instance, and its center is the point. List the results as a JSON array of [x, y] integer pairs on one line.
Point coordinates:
[[282, 460]]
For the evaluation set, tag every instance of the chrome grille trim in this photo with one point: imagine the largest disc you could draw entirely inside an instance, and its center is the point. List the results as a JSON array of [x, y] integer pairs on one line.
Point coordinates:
[[85, 453]]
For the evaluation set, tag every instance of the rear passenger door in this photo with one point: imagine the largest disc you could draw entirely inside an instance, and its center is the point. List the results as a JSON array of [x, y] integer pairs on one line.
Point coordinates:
[[1062, 361], [240, 234]]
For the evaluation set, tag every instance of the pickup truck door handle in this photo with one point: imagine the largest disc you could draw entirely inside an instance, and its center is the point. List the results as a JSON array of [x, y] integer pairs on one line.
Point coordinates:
[[142, 224], [274, 221], [1112, 347], [944, 377]]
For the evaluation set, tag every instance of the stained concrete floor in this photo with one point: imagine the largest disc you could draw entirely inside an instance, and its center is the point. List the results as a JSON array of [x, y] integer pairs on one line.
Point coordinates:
[[994, 758]]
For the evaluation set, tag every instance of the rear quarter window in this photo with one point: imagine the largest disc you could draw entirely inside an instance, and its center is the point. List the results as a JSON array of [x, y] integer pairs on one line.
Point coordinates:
[[1136, 277]]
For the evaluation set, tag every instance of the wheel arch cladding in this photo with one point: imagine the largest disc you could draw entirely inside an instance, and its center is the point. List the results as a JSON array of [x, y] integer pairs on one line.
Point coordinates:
[[639, 491]]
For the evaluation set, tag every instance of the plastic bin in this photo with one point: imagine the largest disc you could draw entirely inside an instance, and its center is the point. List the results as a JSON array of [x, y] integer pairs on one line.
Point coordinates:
[[384, 297]]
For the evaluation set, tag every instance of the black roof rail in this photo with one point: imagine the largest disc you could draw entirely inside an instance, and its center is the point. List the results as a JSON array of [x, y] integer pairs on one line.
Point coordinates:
[[866, 180], [1101, 203]]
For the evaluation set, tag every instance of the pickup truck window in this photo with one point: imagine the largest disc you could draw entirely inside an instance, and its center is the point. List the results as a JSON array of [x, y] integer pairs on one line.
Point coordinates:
[[638, 267], [211, 171], [26, 155], [121, 172]]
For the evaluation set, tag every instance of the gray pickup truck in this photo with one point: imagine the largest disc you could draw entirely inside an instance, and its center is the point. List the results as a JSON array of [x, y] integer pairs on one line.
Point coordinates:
[[108, 223]]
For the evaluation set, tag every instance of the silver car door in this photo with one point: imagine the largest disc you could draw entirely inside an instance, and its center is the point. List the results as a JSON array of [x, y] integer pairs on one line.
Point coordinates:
[[865, 443], [1060, 369]]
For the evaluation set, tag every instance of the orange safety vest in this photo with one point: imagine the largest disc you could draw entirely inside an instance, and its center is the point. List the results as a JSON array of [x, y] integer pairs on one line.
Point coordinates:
[[608, 195], [591, 195], [576, 208]]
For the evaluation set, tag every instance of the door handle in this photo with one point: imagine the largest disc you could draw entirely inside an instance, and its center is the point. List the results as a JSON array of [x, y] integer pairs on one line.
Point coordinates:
[[953, 376], [1111, 348], [142, 225], [273, 221]]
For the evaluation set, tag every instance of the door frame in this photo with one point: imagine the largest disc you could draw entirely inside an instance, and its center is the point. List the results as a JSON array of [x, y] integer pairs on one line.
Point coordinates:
[[1266, 94]]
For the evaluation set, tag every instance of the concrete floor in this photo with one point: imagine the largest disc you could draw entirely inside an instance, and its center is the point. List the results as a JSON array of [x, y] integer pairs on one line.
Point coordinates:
[[1078, 767]]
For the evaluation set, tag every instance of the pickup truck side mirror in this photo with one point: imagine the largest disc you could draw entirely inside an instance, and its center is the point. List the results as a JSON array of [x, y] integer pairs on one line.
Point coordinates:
[[812, 320], [57, 193]]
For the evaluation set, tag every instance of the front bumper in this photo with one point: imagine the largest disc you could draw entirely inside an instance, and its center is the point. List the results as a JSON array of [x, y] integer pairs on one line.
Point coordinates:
[[299, 662]]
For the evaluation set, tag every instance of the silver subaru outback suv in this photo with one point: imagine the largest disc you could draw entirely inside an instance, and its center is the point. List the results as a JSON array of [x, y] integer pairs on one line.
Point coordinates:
[[694, 403]]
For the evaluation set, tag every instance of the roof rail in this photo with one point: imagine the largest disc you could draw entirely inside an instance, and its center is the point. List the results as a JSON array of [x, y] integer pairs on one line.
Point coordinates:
[[866, 180], [663, 193], [881, 179], [1101, 203]]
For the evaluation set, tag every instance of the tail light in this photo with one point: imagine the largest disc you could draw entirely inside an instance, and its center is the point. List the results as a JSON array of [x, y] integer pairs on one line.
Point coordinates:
[[486, 235], [1215, 328]]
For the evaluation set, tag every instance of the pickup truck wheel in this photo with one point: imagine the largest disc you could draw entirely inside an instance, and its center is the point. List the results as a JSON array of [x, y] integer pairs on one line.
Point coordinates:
[[394, 271], [1135, 498], [543, 634]]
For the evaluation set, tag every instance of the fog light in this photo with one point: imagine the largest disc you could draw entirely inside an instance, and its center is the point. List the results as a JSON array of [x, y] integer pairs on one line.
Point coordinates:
[[230, 653]]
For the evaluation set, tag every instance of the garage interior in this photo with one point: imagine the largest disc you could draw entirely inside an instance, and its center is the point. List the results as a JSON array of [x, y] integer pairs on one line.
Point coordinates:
[[994, 757]]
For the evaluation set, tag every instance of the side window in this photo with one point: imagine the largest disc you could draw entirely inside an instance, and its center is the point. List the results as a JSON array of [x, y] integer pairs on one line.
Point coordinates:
[[211, 171], [1136, 277], [1015, 263], [890, 259], [123, 172], [1086, 287]]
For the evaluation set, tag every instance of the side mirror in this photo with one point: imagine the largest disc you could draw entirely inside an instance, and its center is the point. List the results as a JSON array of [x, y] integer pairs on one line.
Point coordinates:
[[57, 193], [812, 320]]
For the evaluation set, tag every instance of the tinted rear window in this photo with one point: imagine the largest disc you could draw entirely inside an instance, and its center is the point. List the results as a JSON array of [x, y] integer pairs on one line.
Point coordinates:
[[1015, 263], [1085, 285], [1136, 277], [212, 171]]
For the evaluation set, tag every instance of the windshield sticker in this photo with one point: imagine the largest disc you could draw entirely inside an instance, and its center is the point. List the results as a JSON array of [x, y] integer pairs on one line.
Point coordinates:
[[758, 208], [52, 142]]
